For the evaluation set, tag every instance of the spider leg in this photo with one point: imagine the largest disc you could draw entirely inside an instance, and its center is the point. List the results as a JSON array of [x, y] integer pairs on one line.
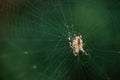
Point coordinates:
[[75, 53], [83, 51], [80, 36]]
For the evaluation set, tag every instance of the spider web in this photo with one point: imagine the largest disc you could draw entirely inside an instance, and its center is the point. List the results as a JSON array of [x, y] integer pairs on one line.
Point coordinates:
[[34, 40]]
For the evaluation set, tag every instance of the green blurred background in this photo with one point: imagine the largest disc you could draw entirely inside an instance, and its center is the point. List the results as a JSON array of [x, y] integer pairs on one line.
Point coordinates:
[[34, 45]]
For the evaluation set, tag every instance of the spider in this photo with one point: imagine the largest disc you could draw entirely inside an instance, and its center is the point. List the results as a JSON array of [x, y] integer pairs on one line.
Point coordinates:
[[77, 45]]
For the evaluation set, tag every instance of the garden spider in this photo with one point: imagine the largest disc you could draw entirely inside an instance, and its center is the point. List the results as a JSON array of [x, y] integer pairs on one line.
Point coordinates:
[[77, 45]]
